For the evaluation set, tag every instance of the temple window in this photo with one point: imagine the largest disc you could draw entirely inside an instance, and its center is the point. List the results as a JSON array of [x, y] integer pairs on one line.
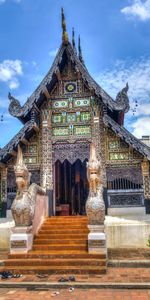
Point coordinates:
[[30, 153], [82, 130], [113, 144], [81, 102], [118, 156]]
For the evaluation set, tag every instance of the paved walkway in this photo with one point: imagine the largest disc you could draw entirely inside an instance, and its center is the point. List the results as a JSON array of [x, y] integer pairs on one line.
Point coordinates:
[[114, 275], [77, 294]]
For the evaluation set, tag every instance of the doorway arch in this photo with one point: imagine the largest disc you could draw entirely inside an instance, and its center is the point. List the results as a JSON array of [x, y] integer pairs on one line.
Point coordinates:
[[71, 185]]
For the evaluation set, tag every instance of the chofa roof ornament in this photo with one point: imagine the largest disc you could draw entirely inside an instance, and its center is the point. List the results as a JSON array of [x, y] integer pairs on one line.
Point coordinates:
[[122, 98], [14, 106]]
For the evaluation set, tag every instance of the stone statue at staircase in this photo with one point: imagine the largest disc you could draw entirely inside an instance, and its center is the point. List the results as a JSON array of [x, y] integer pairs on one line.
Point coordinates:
[[23, 206], [95, 207], [29, 209]]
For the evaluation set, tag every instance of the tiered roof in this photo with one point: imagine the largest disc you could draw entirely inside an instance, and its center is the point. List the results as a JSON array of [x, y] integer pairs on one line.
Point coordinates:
[[116, 107]]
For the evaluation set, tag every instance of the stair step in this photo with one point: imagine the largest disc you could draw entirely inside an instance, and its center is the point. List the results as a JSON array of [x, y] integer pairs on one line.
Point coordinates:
[[60, 236], [62, 231], [54, 255], [56, 247], [55, 262], [60, 242], [66, 226], [66, 221], [56, 269], [75, 217]]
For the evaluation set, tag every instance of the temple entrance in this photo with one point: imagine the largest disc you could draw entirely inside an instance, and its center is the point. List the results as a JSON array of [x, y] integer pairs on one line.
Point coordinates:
[[71, 187]]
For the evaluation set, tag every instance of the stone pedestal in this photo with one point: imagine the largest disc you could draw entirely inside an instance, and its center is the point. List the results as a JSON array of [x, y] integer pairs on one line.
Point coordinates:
[[21, 239], [96, 239]]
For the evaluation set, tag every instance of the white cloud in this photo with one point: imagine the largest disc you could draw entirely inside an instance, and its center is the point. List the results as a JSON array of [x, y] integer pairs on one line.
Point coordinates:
[[138, 9], [53, 52], [137, 74], [34, 63], [9, 71], [143, 109], [141, 127], [14, 84]]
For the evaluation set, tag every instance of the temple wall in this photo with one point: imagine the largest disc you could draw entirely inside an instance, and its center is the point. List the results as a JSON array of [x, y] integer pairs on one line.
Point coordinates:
[[131, 232], [133, 173]]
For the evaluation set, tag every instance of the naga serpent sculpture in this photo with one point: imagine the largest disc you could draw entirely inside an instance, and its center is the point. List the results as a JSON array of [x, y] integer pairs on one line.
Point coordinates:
[[95, 207], [23, 206]]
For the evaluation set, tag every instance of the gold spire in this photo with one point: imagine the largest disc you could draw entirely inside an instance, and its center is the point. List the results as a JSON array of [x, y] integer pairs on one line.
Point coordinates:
[[64, 31], [80, 50], [73, 38]]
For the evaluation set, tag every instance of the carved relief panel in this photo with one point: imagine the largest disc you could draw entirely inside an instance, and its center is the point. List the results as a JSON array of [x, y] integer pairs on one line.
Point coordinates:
[[118, 152]]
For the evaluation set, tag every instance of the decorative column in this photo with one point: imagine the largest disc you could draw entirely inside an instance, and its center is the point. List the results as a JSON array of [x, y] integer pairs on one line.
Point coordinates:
[[98, 139], [146, 183], [95, 207], [4, 184], [46, 154]]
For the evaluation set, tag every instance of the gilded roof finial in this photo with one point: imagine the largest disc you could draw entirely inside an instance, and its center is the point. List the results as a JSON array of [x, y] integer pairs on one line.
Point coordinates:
[[80, 50], [64, 31], [73, 38]]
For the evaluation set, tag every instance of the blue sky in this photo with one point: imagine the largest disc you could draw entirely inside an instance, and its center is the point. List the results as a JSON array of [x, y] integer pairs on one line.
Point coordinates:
[[115, 44]]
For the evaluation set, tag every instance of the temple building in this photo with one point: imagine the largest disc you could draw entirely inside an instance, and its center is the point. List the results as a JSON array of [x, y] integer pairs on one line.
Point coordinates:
[[66, 112]]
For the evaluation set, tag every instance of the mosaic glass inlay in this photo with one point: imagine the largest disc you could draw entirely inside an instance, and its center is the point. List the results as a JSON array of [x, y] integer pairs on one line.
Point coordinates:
[[82, 130], [30, 160], [60, 104], [113, 145], [61, 131], [119, 156], [57, 118], [33, 149], [85, 116], [81, 102], [70, 87], [71, 117]]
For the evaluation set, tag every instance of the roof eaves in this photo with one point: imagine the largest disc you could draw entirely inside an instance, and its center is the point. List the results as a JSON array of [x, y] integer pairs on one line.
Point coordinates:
[[6, 151]]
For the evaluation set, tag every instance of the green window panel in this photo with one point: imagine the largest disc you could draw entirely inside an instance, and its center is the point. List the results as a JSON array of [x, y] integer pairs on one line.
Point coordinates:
[[119, 156], [57, 118], [82, 130], [81, 102], [30, 160], [113, 144], [61, 131], [71, 117], [60, 104], [85, 116], [33, 149]]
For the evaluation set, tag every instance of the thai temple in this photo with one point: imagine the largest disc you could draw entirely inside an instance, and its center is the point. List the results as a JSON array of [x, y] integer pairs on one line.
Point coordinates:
[[66, 112]]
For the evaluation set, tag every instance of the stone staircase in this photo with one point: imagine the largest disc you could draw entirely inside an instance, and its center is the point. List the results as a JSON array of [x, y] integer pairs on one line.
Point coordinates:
[[60, 247]]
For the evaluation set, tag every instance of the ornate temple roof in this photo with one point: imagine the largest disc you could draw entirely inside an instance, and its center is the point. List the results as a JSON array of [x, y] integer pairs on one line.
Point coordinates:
[[67, 50]]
